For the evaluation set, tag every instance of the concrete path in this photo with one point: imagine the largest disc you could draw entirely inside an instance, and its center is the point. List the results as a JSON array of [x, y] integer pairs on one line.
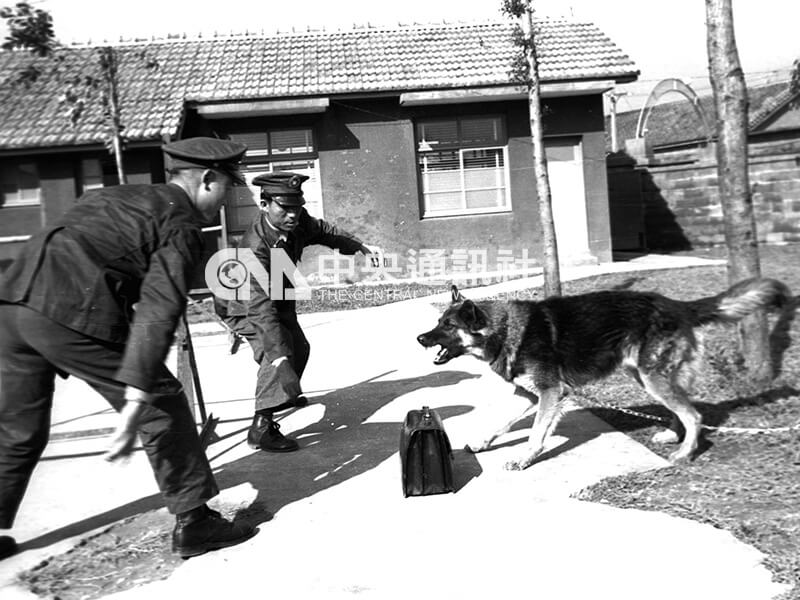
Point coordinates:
[[341, 527]]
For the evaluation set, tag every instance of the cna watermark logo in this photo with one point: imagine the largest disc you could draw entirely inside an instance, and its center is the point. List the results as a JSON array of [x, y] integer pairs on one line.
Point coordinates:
[[231, 274]]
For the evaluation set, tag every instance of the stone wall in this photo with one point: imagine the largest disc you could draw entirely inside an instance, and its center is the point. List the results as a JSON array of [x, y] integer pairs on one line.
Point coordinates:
[[679, 194]]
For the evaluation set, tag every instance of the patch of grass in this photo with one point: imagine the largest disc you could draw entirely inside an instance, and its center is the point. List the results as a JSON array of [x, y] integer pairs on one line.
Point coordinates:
[[130, 553], [746, 483]]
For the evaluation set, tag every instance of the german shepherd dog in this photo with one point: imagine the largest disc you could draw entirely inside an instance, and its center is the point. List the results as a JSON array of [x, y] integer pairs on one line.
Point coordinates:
[[546, 347]]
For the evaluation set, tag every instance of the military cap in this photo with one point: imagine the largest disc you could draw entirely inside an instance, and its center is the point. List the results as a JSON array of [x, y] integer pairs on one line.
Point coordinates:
[[282, 186], [209, 153]]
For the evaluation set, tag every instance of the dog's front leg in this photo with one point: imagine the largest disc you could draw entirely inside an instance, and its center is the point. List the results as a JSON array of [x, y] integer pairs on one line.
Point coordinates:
[[486, 444], [542, 425]]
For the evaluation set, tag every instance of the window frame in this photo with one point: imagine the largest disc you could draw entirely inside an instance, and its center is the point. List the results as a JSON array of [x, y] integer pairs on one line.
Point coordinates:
[[255, 169], [267, 155], [265, 161], [461, 147], [105, 174], [19, 202]]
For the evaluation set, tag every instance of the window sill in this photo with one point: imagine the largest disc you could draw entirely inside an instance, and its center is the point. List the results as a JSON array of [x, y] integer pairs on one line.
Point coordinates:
[[470, 213], [18, 204]]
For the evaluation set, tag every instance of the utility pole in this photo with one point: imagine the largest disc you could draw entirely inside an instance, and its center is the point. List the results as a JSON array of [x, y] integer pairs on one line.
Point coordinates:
[[613, 97]]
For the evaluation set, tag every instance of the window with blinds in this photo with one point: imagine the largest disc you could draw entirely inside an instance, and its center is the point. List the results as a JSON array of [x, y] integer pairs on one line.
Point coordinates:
[[463, 166], [278, 144], [267, 152]]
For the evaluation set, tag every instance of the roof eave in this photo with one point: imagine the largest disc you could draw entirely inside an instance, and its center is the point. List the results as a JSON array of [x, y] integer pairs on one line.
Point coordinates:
[[548, 89], [38, 149], [760, 120]]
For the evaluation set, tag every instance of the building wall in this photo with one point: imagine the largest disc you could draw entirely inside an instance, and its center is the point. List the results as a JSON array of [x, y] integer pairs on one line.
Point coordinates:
[[369, 175], [371, 184], [59, 176], [597, 205], [680, 195]]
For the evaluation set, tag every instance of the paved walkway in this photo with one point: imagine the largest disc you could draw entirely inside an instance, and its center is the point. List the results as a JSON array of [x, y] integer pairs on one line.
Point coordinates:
[[341, 527]]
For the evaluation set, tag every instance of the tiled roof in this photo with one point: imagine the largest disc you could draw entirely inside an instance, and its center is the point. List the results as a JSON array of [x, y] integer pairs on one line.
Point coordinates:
[[292, 65], [674, 123], [771, 103]]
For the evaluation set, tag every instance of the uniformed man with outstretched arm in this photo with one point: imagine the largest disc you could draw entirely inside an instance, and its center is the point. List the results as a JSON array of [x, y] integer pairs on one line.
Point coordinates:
[[270, 324]]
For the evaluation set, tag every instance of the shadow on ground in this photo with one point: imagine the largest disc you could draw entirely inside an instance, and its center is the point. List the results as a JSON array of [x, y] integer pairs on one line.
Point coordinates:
[[341, 445]]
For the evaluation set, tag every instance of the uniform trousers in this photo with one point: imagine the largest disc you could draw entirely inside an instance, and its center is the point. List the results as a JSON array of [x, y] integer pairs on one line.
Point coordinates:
[[33, 349], [269, 391]]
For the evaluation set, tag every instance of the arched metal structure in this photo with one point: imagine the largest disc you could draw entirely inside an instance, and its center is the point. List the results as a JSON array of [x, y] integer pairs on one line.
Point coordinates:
[[663, 87]]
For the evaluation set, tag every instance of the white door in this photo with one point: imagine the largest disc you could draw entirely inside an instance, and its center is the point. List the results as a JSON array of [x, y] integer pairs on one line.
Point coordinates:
[[568, 197]]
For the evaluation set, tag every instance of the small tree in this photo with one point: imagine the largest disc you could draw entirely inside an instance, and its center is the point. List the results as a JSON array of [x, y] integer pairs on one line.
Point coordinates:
[[82, 91], [526, 68], [28, 28], [730, 101], [32, 29]]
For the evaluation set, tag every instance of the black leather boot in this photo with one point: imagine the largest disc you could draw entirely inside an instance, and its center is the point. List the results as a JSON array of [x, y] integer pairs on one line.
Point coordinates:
[[8, 546], [264, 434], [202, 529]]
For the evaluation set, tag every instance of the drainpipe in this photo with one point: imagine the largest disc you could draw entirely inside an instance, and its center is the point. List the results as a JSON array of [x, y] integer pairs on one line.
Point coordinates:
[[613, 97]]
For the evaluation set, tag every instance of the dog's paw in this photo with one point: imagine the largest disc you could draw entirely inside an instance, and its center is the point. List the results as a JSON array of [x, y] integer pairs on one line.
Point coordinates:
[[516, 465], [665, 436], [680, 457]]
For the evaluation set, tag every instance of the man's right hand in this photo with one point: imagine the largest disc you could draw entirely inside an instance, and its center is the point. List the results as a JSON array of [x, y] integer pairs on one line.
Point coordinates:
[[288, 378], [124, 437]]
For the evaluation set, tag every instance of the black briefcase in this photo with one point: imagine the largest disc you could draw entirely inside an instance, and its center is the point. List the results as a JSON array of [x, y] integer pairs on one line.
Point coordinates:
[[425, 454]]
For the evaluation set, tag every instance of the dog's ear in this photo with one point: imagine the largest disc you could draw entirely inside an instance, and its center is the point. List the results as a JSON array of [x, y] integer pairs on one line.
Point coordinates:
[[472, 316], [455, 294]]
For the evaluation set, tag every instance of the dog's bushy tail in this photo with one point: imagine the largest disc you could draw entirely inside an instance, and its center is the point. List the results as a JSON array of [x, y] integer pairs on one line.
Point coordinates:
[[742, 299]]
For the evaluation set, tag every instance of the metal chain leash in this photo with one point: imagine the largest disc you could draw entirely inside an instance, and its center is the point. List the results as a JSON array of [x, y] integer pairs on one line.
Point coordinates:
[[721, 429], [583, 400]]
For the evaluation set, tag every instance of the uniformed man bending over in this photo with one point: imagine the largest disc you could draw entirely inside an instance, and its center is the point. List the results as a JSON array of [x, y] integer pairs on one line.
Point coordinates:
[[270, 324], [67, 307]]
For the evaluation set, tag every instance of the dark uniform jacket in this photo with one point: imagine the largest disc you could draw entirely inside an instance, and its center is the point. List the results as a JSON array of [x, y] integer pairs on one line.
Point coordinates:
[[264, 314], [119, 246]]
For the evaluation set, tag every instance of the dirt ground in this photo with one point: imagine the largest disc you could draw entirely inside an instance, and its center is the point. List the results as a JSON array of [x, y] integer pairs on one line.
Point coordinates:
[[747, 478]]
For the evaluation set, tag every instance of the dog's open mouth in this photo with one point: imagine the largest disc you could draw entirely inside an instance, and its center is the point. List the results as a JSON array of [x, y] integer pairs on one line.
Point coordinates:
[[442, 356]]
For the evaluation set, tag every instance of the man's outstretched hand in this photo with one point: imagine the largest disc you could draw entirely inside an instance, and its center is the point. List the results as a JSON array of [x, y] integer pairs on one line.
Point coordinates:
[[124, 437], [375, 254]]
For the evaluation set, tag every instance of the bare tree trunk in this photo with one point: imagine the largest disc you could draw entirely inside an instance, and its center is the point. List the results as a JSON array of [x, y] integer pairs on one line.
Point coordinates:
[[108, 63], [730, 101], [116, 142], [552, 276]]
